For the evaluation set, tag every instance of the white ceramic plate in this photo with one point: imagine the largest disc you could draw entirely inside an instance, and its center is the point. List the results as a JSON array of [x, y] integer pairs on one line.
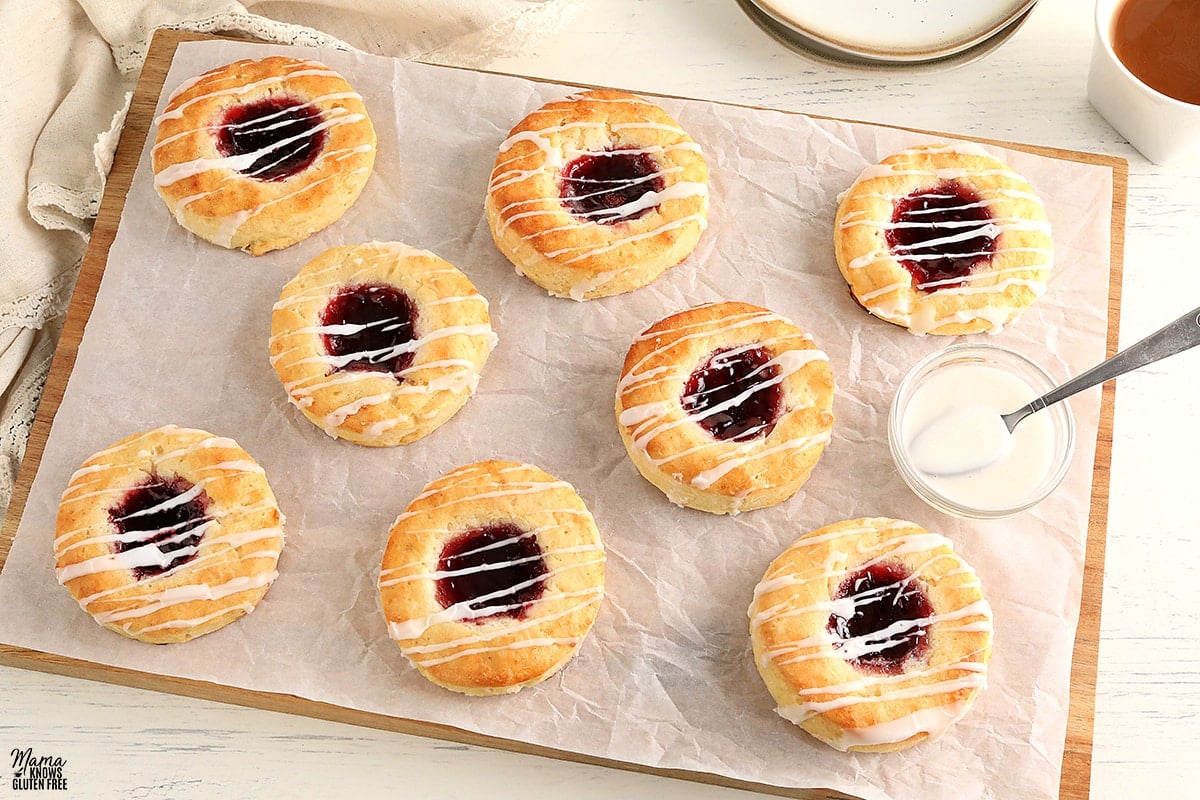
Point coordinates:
[[895, 30]]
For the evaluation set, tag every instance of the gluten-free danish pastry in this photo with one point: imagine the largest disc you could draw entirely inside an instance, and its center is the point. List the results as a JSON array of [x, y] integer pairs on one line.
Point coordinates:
[[260, 154], [380, 343], [871, 634], [492, 577], [596, 194], [943, 239], [168, 534], [725, 407]]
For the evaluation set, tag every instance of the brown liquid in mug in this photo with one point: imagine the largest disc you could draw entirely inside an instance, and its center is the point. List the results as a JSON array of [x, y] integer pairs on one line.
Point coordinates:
[[1159, 42]]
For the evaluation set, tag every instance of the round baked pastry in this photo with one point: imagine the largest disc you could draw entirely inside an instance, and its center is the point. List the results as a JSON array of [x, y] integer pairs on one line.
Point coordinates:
[[943, 239], [871, 634], [380, 343], [168, 534], [725, 407], [492, 577], [597, 194], [258, 155]]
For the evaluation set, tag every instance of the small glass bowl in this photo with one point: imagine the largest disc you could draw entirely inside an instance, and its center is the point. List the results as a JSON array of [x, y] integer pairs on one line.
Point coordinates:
[[1012, 362]]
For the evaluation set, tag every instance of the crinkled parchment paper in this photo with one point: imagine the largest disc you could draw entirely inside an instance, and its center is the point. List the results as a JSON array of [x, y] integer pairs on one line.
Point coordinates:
[[179, 335]]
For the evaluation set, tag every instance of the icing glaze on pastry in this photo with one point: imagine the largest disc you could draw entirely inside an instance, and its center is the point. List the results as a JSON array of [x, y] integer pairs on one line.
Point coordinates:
[[725, 407], [943, 239], [168, 534], [380, 343], [871, 634], [596, 194], [258, 155], [492, 577]]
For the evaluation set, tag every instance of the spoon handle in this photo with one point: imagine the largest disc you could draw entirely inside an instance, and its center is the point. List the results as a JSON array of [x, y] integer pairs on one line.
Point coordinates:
[[1175, 337]]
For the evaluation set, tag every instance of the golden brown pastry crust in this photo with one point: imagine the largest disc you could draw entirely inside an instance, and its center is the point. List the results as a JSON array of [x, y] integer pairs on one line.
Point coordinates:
[[208, 196], [235, 558], [677, 455], [996, 294], [800, 659], [380, 409], [492, 655], [571, 256]]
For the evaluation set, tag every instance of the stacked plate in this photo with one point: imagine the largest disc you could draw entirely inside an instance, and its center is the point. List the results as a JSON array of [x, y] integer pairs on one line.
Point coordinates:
[[880, 33]]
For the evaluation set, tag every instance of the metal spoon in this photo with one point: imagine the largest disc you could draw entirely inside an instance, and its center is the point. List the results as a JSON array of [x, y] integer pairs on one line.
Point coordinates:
[[1182, 334], [992, 437]]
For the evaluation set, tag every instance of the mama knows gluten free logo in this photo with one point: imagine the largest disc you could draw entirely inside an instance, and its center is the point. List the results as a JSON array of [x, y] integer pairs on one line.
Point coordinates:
[[36, 772]]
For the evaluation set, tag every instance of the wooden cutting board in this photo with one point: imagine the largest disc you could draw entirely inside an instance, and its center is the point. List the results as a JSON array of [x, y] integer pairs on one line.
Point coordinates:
[[1076, 771]]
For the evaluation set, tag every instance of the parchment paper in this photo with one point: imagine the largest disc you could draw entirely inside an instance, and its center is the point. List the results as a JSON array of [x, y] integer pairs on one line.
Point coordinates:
[[179, 335]]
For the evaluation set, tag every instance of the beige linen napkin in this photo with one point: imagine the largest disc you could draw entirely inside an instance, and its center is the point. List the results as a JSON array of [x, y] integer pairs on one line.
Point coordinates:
[[67, 68]]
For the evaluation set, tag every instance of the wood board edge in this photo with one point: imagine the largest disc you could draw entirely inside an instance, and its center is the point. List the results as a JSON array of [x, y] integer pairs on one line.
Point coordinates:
[[1075, 783]]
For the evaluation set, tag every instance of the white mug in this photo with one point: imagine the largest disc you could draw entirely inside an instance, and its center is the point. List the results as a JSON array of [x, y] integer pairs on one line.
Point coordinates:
[[1164, 129]]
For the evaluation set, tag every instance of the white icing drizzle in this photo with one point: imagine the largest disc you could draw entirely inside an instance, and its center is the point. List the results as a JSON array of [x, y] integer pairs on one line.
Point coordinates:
[[587, 251], [243, 161], [244, 608], [647, 421], [298, 70], [188, 594], [430, 377], [233, 167], [479, 639], [579, 291], [916, 681], [217, 536], [913, 309], [556, 156]]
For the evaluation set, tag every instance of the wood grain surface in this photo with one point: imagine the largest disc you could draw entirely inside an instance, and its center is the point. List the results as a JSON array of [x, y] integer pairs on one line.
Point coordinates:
[[1076, 773]]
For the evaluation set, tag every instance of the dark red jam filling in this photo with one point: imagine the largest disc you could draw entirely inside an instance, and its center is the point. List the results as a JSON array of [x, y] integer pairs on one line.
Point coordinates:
[[286, 131], [735, 394], [497, 566], [374, 326], [598, 186], [164, 512], [889, 619], [941, 235]]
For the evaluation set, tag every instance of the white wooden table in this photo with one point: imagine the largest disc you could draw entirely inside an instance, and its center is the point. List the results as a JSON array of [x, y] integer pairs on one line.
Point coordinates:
[[126, 743]]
